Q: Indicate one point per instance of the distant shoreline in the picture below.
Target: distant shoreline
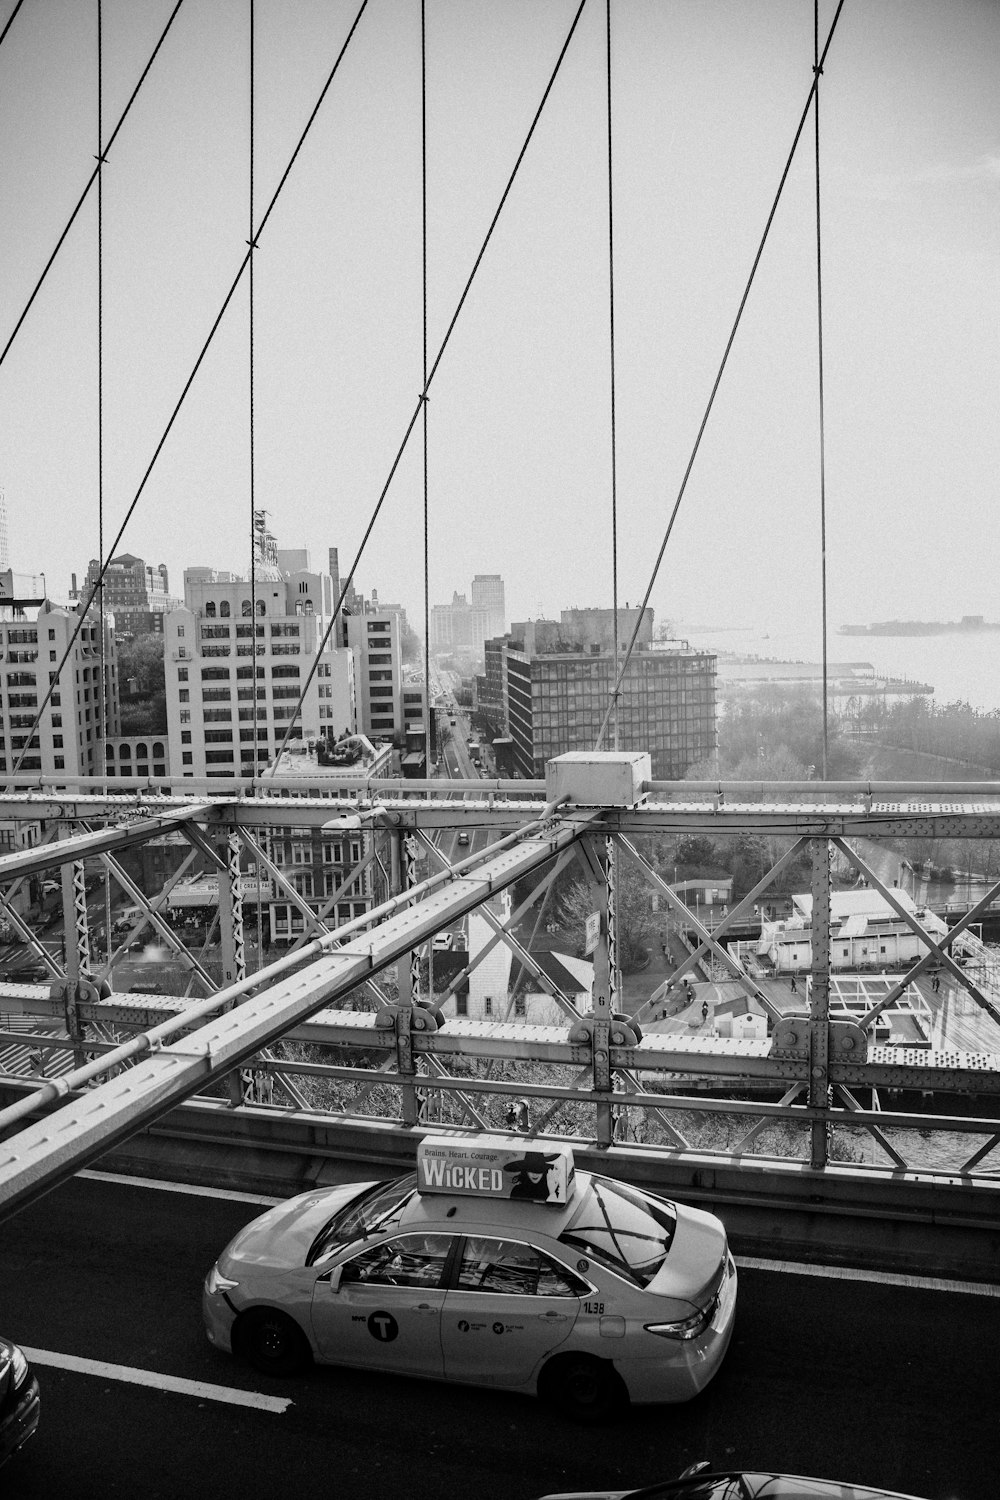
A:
(969, 625)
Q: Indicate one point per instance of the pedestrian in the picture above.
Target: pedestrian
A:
(794, 986)
(704, 1010)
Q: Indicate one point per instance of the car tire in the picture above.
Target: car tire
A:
(271, 1341)
(582, 1388)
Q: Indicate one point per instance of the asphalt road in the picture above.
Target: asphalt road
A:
(858, 1380)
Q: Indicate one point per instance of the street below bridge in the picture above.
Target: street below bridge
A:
(861, 1379)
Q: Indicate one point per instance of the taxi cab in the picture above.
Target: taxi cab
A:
(495, 1264)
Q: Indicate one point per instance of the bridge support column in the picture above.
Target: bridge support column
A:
(603, 1004)
(233, 950)
(75, 923)
(819, 998)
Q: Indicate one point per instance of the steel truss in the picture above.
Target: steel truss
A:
(816, 1077)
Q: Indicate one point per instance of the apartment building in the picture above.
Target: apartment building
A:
(83, 707)
(239, 655)
(375, 639)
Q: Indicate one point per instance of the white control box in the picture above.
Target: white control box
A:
(594, 778)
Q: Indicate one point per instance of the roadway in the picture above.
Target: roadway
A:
(843, 1378)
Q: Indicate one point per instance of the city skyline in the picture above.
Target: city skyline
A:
(705, 103)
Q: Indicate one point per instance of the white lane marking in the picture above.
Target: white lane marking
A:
(132, 1376)
(883, 1278)
(180, 1187)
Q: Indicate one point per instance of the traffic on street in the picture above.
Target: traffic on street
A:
(881, 1381)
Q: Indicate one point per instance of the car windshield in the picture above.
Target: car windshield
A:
(624, 1229)
(378, 1208)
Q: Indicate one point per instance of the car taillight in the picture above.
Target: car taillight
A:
(684, 1328)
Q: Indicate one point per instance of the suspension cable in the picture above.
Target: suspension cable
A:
(423, 397)
(616, 691)
(10, 21)
(423, 222)
(611, 344)
(191, 378)
(817, 70)
(105, 695)
(91, 179)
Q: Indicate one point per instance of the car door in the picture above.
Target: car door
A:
(510, 1306)
(382, 1306)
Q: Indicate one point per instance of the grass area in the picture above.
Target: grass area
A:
(887, 763)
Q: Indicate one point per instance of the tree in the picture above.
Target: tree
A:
(141, 659)
(634, 925)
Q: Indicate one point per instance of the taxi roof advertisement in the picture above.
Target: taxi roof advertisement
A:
(531, 1171)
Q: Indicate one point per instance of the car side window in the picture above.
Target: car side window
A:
(409, 1260)
(519, 1270)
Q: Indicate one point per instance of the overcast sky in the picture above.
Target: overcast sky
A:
(707, 95)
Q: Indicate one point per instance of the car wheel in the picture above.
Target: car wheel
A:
(271, 1341)
(587, 1390)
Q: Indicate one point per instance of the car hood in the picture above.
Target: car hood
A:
(695, 1263)
(282, 1236)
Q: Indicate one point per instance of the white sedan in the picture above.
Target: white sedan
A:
(496, 1264)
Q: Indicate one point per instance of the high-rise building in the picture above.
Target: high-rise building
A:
(549, 684)
(460, 628)
(488, 595)
(4, 534)
(237, 658)
(136, 593)
(374, 637)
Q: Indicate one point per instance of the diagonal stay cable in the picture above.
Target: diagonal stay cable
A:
(620, 677)
(105, 562)
(102, 158)
(10, 21)
(423, 397)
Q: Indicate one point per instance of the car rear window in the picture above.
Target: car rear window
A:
(378, 1208)
(624, 1229)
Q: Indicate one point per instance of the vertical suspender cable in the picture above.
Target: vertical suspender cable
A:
(423, 388)
(822, 425)
(611, 341)
(105, 695)
(253, 470)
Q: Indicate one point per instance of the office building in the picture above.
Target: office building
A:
(238, 657)
(488, 596)
(136, 593)
(548, 685)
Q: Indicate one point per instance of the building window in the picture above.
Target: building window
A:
(224, 610)
(184, 696)
(462, 1005)
(187, 758)
(487, 1005)
(210, 610)
(180, 632)
(182, 674)
(185, 736)
(57, 742)
(58, 762)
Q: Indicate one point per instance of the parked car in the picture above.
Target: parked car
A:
(698, 1483)
(496, 1264)
(20, 1402)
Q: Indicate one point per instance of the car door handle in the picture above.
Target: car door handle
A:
(552, 1317)
(425, 1307)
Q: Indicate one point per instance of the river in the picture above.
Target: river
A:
(960, 667)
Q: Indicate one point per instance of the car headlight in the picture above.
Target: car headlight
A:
(216, 1282)
(684, 1328)
(19, 1365)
